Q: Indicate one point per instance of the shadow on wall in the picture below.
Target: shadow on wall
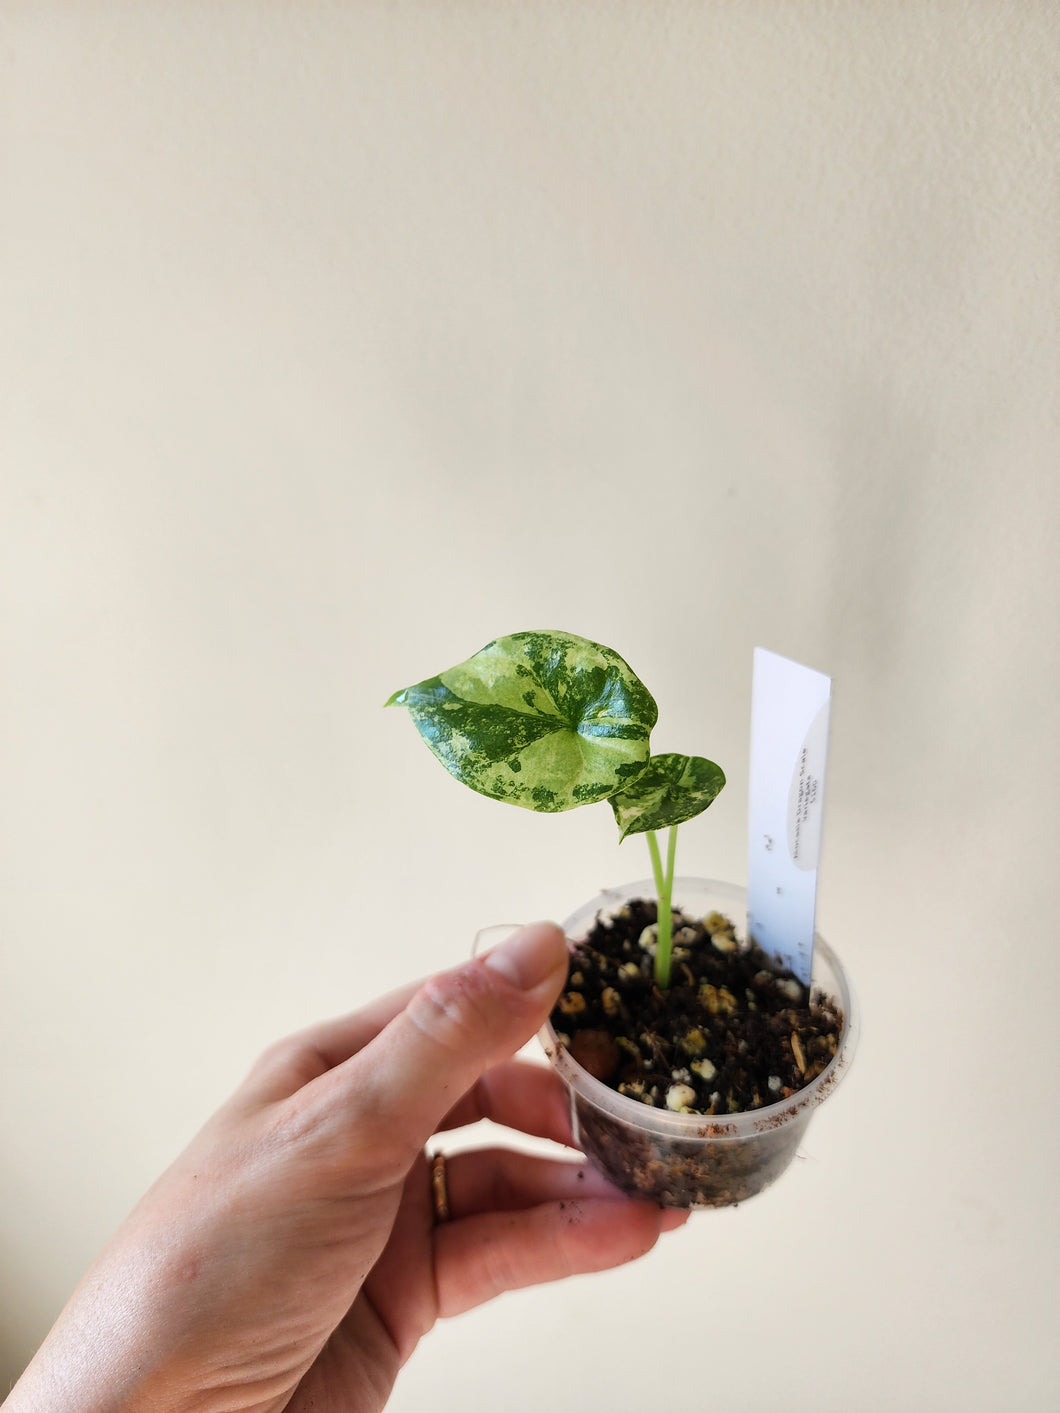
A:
(14, 1354)
(28, 1311)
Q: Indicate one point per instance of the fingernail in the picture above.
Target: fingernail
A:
(674, 1217)
(529, 955)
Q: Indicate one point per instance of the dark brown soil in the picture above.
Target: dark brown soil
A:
(731, 1033)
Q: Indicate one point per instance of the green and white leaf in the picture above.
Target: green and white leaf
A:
(547, 721)
(669, 790)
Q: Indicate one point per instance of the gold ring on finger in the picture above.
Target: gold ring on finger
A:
(439, 1189)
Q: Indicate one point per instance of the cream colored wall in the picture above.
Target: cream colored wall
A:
(338, 339)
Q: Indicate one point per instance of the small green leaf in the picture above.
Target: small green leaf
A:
(547, 721)
(669, 790)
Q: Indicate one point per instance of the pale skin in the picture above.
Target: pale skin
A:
(290, 1259)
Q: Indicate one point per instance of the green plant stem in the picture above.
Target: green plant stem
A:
(671, 855)
(664, 885)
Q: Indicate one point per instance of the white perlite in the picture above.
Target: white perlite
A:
(680, 1097)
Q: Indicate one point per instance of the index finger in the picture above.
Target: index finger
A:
(520, 1095)
(294, 1062)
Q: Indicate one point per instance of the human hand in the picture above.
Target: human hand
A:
(290, 1259)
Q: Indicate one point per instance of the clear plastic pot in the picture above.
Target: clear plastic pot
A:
(692, 1160)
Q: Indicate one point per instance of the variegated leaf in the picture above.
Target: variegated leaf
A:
(669, 790)
(543, 720)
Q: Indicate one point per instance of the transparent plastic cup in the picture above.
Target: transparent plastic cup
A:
(692, 1160)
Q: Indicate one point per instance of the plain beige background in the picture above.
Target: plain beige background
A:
(338, 338)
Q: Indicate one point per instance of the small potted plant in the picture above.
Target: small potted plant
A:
(693, 1063)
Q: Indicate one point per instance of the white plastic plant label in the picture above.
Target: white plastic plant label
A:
(789, 752)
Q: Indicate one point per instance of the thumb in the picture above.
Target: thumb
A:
(459, 1024)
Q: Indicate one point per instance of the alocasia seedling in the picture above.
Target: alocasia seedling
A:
(550, 721)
